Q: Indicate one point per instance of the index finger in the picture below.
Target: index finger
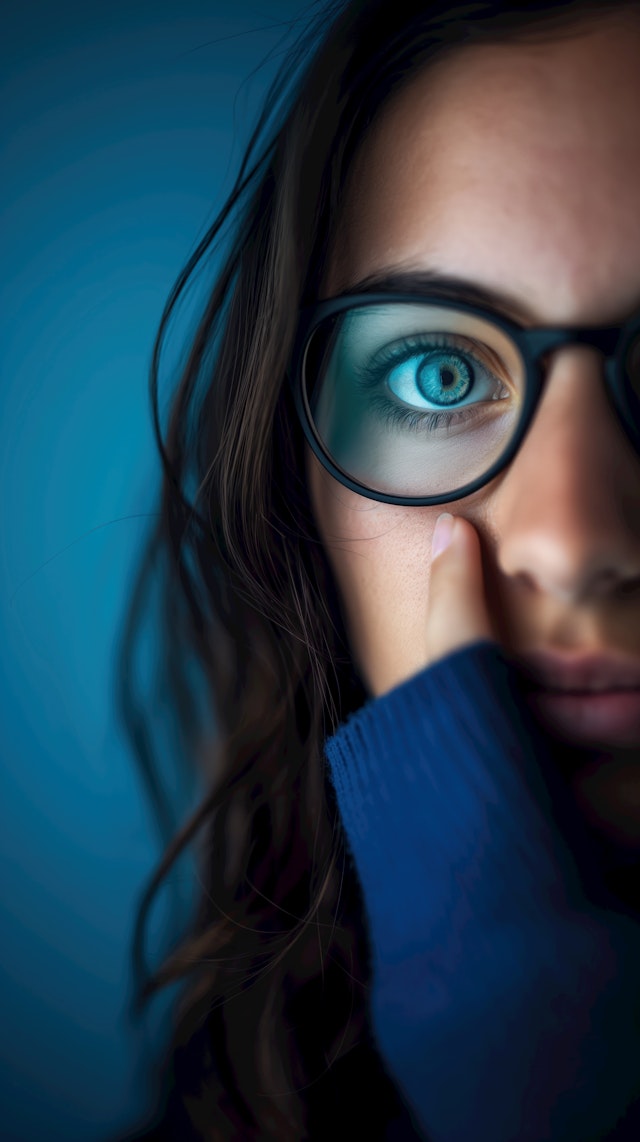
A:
(457, 609)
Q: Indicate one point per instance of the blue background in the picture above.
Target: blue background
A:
(124, 124)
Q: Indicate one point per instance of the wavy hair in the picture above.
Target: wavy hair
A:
(273, 967)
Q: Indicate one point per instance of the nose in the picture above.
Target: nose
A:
(567, 510)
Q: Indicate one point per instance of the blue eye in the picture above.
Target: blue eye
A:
(440, 377)
(431, 382)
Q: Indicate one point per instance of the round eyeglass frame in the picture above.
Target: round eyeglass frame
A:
(532, 342)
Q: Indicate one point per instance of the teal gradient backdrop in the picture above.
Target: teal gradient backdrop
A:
(123, 126)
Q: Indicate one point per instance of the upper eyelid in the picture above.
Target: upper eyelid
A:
(461, 340)
(366, 370)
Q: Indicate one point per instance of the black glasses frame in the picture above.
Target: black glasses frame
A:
(532, 342)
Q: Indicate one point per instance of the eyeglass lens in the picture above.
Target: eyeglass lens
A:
(413, 399)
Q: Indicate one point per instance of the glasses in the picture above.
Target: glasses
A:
(418, 400)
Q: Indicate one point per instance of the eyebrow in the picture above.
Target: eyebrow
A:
(432, 281)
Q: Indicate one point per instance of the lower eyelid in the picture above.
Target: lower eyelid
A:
(419, 417)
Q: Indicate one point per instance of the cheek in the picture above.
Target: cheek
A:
(383, 581)
(367, 541)
(380, 556)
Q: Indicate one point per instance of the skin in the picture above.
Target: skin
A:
(516, 166)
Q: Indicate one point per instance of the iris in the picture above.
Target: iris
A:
(442, 378)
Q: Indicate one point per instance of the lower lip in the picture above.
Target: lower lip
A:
(609, 718)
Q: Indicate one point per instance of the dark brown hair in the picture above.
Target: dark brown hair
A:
(273, 967)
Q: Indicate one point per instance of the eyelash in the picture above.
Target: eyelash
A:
(415, 421)
(372, 375)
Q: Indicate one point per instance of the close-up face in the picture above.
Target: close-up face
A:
(515, 167)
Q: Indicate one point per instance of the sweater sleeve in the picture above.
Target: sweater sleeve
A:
(505, 987)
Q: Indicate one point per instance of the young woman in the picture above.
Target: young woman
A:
(419, 838)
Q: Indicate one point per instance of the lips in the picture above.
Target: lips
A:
(589, 699)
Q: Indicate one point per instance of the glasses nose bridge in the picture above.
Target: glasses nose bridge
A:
(605, 339)
(542, 344)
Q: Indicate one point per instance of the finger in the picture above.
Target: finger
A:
(457, 609)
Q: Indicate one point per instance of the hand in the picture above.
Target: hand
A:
(390, 593)
(457, 610)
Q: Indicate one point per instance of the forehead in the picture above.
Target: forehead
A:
(516, 165)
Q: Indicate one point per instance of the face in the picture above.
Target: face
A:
(517, 167)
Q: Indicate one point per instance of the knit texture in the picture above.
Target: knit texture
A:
(506, 985)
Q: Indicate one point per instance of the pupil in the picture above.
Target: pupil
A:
(448, 377)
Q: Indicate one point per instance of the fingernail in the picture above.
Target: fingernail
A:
(442, 533)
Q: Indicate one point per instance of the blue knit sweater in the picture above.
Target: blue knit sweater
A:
(506, 973)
